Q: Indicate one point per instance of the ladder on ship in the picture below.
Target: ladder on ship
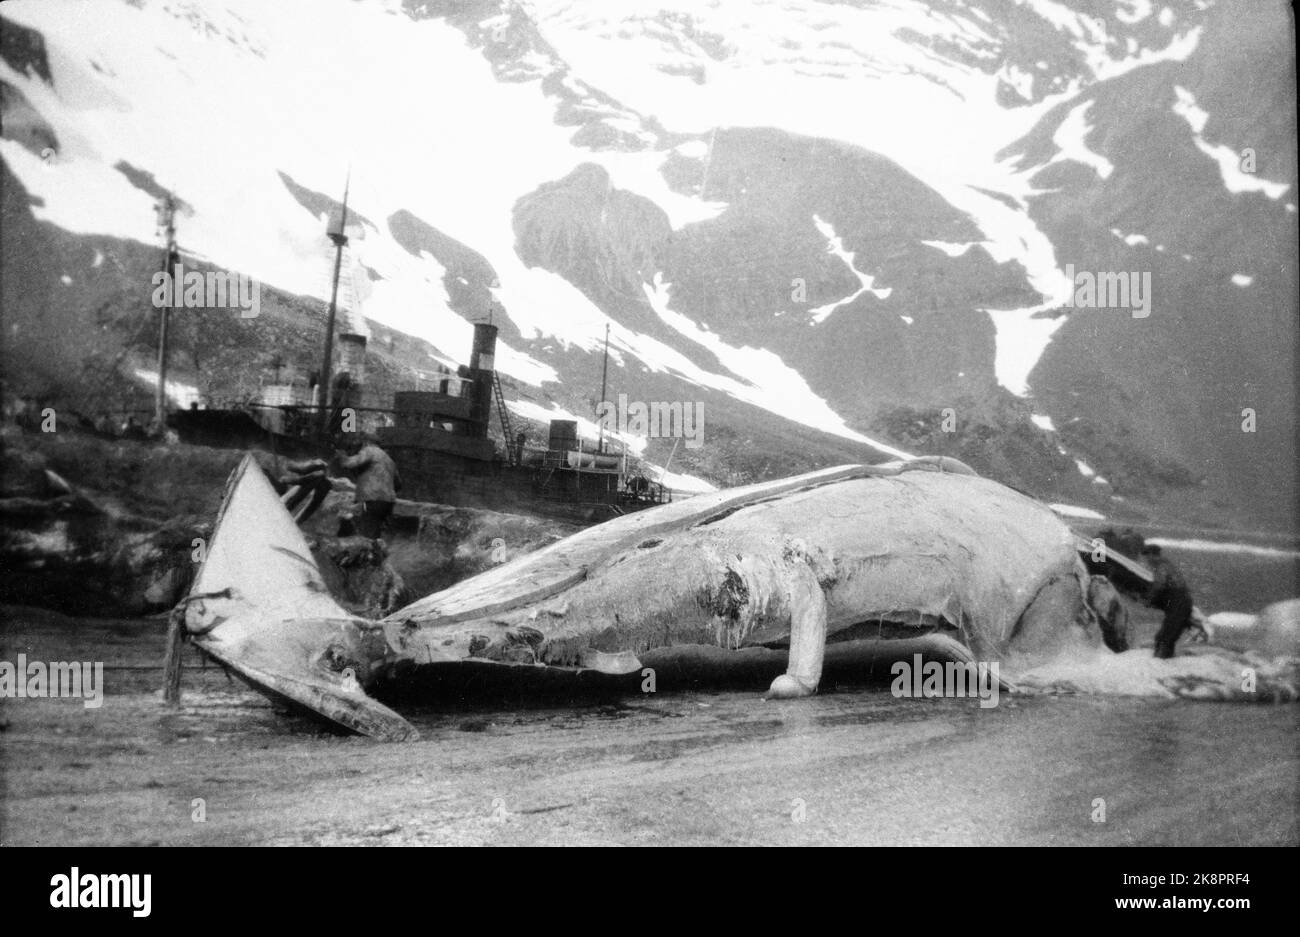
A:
(504, 415)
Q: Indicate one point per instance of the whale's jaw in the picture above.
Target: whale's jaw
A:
(316, 665)
(260, 607)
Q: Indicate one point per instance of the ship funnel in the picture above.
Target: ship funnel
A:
(482, 356)
(480, 375)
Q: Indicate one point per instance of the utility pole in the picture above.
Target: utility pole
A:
(171, 260)
(339, 239)
(604, 372)
(174, 657)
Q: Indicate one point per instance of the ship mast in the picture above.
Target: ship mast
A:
(340, 239)
(171, 258)
(604, 372)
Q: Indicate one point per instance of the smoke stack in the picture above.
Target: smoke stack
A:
(482, 356)
(482, 365)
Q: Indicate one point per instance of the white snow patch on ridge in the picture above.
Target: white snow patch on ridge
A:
(835, 245)
(950, 248)
(1071, 510)
(1132, 240)
(764, 379)
(1021, 339)
(1071, 140)
(1235, 180)
(1133, 11)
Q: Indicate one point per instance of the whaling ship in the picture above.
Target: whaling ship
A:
(438, 438)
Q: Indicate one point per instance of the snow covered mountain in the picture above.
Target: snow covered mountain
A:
(846, 228)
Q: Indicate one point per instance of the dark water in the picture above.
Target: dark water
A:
(1237, 582)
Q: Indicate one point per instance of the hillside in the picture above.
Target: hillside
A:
(843, 229)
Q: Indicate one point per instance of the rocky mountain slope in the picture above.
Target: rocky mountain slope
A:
(842, 228)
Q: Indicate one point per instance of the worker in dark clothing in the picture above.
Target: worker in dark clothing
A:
(377, 483)
(1168, 592)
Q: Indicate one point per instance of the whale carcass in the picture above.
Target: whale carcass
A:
(917, 557)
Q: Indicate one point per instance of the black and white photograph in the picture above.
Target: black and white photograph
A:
(723, 423)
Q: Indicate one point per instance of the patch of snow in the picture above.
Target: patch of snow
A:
(1235, 180)
(1186, 107)
(1071, 510)
(1133, 11)
(1132, 240)
(1240, 279)
(1043, 422)
(949, 248)
(693, 149)
(1071, 140)
(641, 173)
(679, 481)
(1021, 339)
(835, 245)
(1215, 546)
(762, 378)
(1022, 81)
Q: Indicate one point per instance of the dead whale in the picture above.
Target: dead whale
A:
(902, 558)
(917, 557)
(958, 566)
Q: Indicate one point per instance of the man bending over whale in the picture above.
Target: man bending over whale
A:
(1168, 592)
